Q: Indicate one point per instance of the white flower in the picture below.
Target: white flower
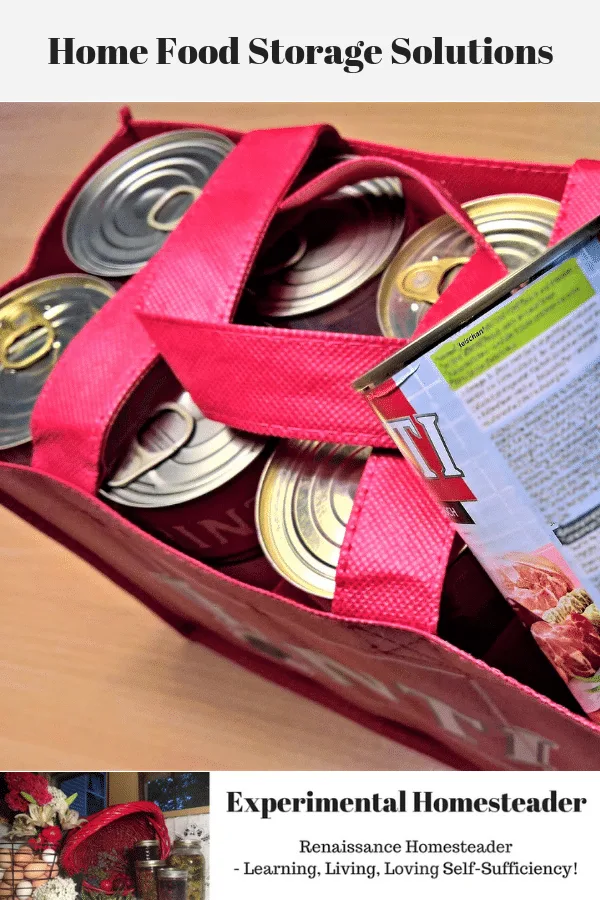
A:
(42, 816)
(56, 889)
(70, 819)
(22, 826)
(59, 800)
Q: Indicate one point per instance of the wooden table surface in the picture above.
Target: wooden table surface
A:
(88, 677)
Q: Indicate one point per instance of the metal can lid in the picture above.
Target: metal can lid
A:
(187, 846)
(124, 213)
(37, 321)
(179, 455)
(174, 874)
(518, 227)
(303, 505)
(150, 863)
(336, 245)
(148, 843)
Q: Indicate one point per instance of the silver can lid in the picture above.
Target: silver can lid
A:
(338, 244)
(124, 213)
(37, 321)
(179, 455)
(173, 874)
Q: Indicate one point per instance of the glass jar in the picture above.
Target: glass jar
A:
(145, 878)
(172, 884)
(186, 853)
(145, 850)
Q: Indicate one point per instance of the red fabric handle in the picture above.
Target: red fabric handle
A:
(396, 549)
(268, 380)
(101, 367)
(581, 198)
(263, 380)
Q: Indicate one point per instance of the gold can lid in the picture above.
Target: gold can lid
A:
(334, 246)
(303, 505)
(150, 863)
(518, 227)
(179, 455)
(37, 321)
(148, 843)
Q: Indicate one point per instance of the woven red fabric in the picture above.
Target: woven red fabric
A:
(116, 828)
(395, 551)
(281, 382)
(75, 410)
(300, 386)
(266, 380)
(581, 198)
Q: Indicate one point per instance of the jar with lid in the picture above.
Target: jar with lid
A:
(172, 884)
(145, 850)
(186, 854)
(145, 878)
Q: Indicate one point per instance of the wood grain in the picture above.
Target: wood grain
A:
(89, 678)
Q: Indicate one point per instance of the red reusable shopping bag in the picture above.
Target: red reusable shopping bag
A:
(376, 656)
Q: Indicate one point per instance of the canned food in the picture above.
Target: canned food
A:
(497, 407)
(37, 321)
(172, 884)
(186, 854)
(145, 878)
(193, 481)
(315, 270)
(124, 213)
(303, 505)
(144, 850)
(518, 227)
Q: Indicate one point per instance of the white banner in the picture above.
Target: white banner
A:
(389, 834)
(144, 51)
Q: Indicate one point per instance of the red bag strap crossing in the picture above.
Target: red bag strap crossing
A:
(260, 379)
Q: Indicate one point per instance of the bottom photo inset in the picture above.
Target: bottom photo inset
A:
(104, 835)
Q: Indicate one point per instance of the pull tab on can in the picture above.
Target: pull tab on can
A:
(140, 459)
(162, 201)
(423, 281)
(18, 321)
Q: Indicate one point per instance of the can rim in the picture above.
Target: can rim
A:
(169, 872)
(68, 279)
(269, 546)
(32, 291)
(274, 309)
(323, 584)
(515, 205)
(474, 308)
(109, 170)
(250, 447)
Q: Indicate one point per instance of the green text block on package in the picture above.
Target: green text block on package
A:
(514, 325)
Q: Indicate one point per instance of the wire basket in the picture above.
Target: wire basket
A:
(24, 869)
